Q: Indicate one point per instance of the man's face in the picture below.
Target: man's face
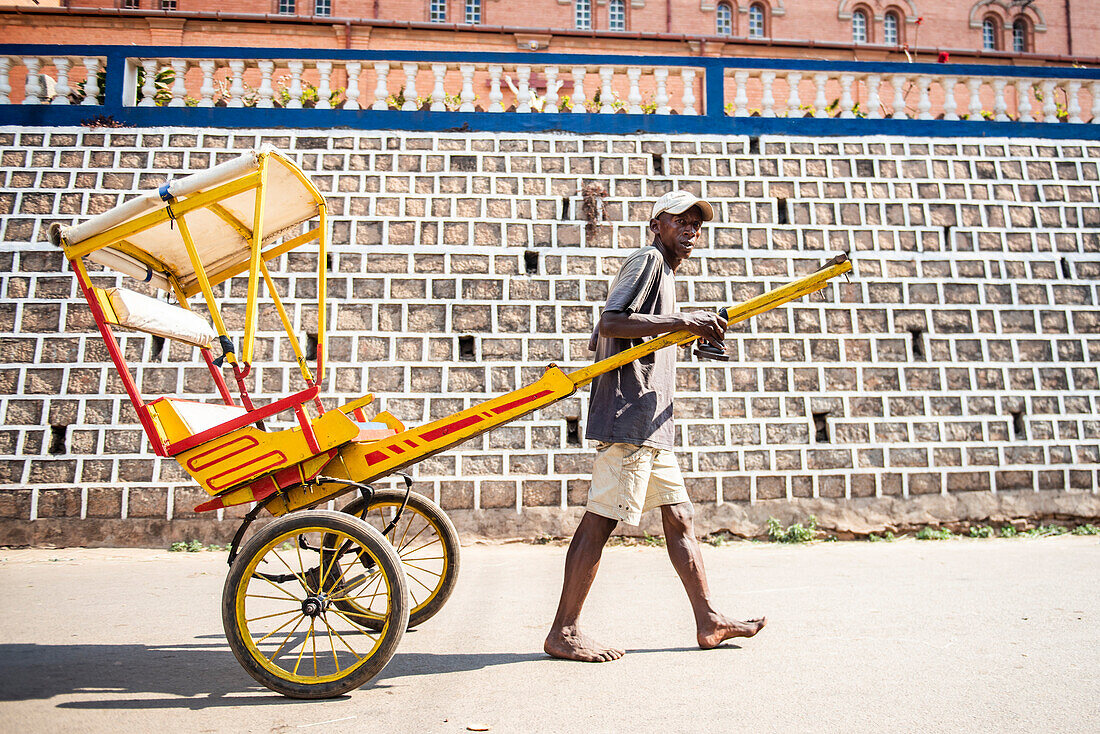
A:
(679, 233)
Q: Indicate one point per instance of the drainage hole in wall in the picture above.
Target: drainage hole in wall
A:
(917, 335)
(329, 260)
(531, 262)
(821, 428)
(466, 348)
(754, 145)
(1019, 430)
(1066, 271)
(156, 348)
(782, 215)
(658, 164)
(572, 431)
(311, 347)
(565, 204)
(58, 439)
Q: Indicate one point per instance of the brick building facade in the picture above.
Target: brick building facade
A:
(1000, 30)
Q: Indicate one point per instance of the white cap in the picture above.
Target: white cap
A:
(678, 202)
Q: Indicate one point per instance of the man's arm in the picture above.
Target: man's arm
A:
(708, 325)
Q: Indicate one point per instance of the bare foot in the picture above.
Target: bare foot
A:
(720, 629)
(569, 644)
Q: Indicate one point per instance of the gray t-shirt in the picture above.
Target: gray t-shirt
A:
(633, 404)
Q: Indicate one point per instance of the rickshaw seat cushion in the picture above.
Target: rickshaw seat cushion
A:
(179, 419)
(136, 311)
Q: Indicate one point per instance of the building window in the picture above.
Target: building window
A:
(756, 21)
(1019, 36)
(437, 11)
(286, 7)
(616, 15)
(890, 27)
(989, 34)
(167, 4)
(724, 20)
(582, 15)
(131, 4)
(322, 7)
(473, 12)
(859, 26)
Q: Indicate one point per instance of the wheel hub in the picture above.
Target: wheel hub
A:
(314, 605)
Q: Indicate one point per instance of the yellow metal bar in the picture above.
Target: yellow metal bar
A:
(322, 270)
(294, 344)
(204, 284)
(153, 218)
(358, 403)
(252, 307)
(226, 216)
(223, 275)
(734, 314)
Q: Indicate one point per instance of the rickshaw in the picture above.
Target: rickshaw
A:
(316, 600)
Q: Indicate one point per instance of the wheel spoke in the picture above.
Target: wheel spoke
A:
(302, 566)
(280, 588)
(405, 554)
(289, 635)
(414, 578)
(276, 614)
(425, 570)
(296, 575)
(340, 637)
(418, 532)
(274, 631)
(363, 629)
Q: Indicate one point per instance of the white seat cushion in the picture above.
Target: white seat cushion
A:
(153, 316)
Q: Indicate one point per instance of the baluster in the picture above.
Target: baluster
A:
(91, 82)
(381, 91)
(974, 110)
(794, 102)
(351, 97)
(898, 83)
(740, 96)
(409, 92)
(1073, 101)
(950, 104)
(5, 80)
(820, 102)
(294, 101)
(266, 93)
(467, 88)
(439, 71)
(846, 101)
(206, 91)
(62, 88)
(1094, 89)
(924, 106)
(149, 87)
(1000, 108)
(236, 85)
(661, 75)
(767, 99)
(33, 86)
(578, 89)
(523, 95)
(495, 95)
(550, 101)
(688, 77)
(1023, 103)
(634, 97)
(1050, 109)
(606, 94)
(179, 83)
(874, 102)
(324, 86)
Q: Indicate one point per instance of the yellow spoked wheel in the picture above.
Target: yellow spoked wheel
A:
(425, 540)
(283, 604)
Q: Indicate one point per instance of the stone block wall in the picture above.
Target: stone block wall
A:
(959, 362)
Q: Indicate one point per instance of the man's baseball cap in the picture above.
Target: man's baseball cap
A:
(679, 201)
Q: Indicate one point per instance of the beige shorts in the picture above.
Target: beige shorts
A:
(627, 480)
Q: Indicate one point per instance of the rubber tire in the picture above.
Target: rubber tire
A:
(398, 596)
(445, 529)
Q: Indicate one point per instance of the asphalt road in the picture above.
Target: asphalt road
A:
(961, 635)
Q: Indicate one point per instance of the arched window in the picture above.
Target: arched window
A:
(890, 26)
(582, 14)
(723, 20)
(859, 26)
(616, 15)
(1019, 36)
(322, 7)
(473, 12)
(756, 20)
(989, 34)
(437, 11)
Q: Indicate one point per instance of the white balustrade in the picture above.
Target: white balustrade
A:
(324, 87)
(688, 78)
(282, 83)
(61, 88)
(179, 83)
(381, 91)
(351, 96)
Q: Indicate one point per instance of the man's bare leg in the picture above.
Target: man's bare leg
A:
(711, 627)
(581, 563)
